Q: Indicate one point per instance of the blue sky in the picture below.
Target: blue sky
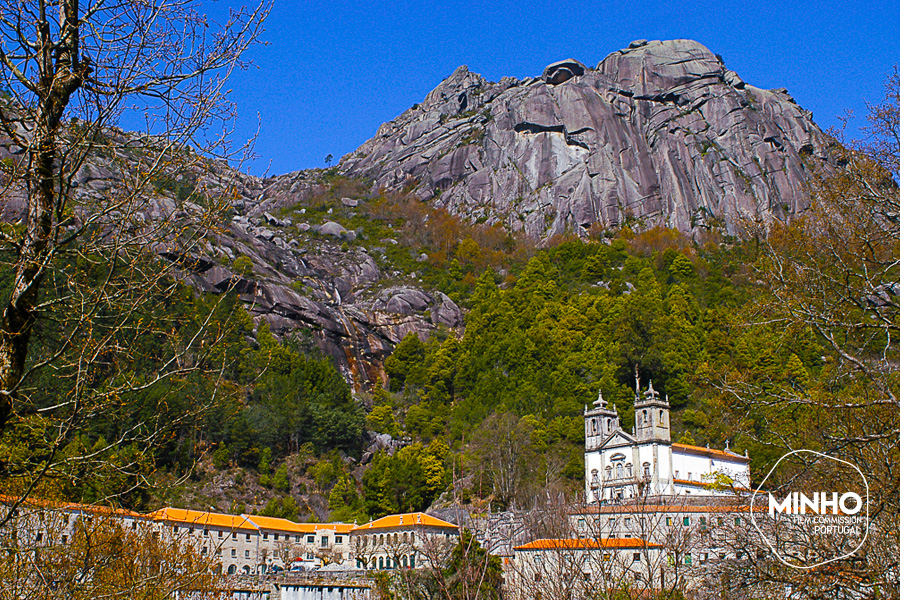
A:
(332, 72)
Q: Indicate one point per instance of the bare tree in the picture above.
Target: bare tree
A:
(51, 553)
(86, 209)
(833, 274)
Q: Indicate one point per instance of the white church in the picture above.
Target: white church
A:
(645, 463)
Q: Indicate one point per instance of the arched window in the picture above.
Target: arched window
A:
(628, 470)
(380, 562)
(405, 539)
(404, 562)
(646, 469)
(646, 419)
(619, 472)
(232, 569)
(662, 417)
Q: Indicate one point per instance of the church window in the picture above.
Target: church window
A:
(662, 417)
(628, 470)
(619, 472)
(609, 472)
(646, 469)
(646, 420)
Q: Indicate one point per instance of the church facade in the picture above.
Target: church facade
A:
(645, 463)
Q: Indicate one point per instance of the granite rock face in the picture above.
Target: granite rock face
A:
(298, 279)
(660, 133)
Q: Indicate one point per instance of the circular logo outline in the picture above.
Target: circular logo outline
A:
(766, 539)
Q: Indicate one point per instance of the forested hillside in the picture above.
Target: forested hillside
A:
(494, 409)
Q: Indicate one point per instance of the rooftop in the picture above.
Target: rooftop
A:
(710, 452)
(406, 520)
(276, 524)
(205, 519)
(586, 544)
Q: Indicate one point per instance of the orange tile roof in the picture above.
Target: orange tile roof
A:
(276, 524)
(710, 452)
(95, 509)
(406, 520)
(586, 544)
(205, 519)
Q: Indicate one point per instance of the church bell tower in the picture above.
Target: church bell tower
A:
(651, 417)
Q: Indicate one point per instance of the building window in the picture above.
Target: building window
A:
(39, 536)
(687, 521)
(338, 539)
(265, 536)
(703, 523)
(203, 551)
(668, 521)
(704, 557)
(676, 474)
(218, 552)
(310, 539)
(175, 529)
(233, 553)
(324, 541)
(737, 520)
(537, 577)
(65, 539)
(587, 576)
(687, 559)
(234, 535)
(221, 533)
(627, 522)
(246, 554)
(690, 476)
(206, 533)
(297, 538)
(720, 521)
(276, 537)
(309, 556)
(412, 537)
(636, 557)
(380, 562)
(581, 524)
(628, 470)
(248, 537)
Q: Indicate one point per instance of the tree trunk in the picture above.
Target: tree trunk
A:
(61, 74)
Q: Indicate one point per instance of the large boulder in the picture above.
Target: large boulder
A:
(562, 71)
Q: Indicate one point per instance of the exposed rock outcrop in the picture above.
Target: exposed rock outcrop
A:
(661, 133)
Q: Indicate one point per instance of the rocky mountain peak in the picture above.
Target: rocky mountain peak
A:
(659, 133)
